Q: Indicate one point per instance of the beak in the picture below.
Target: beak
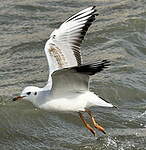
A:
(18, 98)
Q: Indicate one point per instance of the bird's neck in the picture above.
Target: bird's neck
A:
(42, 97)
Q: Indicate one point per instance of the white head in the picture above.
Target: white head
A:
(29, 93)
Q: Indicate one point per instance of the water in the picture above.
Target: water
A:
(118, 34)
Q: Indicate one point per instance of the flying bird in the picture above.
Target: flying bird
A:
(67, 89)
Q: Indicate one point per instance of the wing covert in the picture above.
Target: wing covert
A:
(63, 47)
(75, 79)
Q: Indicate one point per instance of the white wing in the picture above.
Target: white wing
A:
(75, 79)
(68, 81)
(63, 47)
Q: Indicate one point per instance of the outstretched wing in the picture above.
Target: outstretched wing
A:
(63, 47)
(75, 79)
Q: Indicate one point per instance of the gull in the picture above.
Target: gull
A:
(67, 89)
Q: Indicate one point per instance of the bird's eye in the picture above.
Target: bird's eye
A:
(35, 93)
(28, 93)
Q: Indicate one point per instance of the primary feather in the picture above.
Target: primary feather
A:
(63, 47)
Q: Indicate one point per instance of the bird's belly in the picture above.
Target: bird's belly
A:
(74, 102)
(65, 104)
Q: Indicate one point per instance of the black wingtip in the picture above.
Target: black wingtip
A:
(93, 68)
(96, 14)
(93, 7)
(106, 62)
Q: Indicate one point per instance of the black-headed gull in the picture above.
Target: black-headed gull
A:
(67, 88)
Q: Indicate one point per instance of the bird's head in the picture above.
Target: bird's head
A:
(29, 93)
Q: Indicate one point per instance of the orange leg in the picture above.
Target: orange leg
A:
(94, 122)
(86, 124)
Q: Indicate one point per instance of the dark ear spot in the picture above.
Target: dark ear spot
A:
(35, 93)
(54, 36)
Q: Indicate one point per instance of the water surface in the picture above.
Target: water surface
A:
(118, 34)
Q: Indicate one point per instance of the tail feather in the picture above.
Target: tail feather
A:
(108, 102)
(95, 100)
(101, 102)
